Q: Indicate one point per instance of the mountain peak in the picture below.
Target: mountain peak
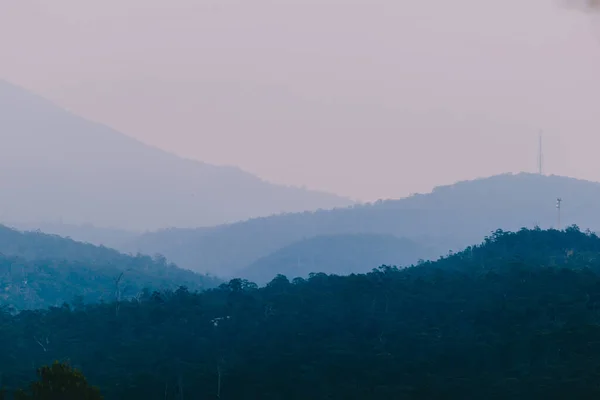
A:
(57, 165)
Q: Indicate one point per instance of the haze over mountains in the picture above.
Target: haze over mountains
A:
(336, 254)
(215, 283)
(371, 99)
(449, 218)
(89, 177)
(56, 166)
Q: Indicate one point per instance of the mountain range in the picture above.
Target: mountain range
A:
(56, 166)
(65, 175)
(447, 219)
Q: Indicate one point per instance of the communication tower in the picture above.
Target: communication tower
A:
(540, 156)
(558, 201)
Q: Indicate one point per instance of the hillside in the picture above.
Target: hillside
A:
(449, 218)
(86, 233)
(497, 328)
(335, 254)
(39, 270)
(55, 166)
(33, 245)
(569, 248)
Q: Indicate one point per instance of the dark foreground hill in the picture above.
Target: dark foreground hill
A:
(336, 254)
(449, 218)
(514, 318)
(39, 270)
(55, 165)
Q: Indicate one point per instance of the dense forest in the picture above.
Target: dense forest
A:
(451, 217)
(39, 270)
(517, 317)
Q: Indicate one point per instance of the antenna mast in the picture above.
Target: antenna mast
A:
(540, 156)
(558, 201)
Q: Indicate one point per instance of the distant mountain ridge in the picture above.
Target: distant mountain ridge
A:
(449, 218)
(336, 254)
(55, 165)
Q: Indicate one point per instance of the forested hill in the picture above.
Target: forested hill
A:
(449, 218)
(38, 270)
(519, 321)
(549, 248)
(86, 233)
(35, 244)
(55, 164)
(336, 254)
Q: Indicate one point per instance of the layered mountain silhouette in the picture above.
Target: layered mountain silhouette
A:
(449, 218)
(336, 254)
(55, 166)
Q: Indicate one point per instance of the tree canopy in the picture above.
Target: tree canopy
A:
(516, 317)
(59, 381)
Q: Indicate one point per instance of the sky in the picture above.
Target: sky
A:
(368, 99)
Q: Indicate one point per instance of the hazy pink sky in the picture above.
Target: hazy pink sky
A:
(370, 98)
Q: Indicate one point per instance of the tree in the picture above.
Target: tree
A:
(60, 382)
